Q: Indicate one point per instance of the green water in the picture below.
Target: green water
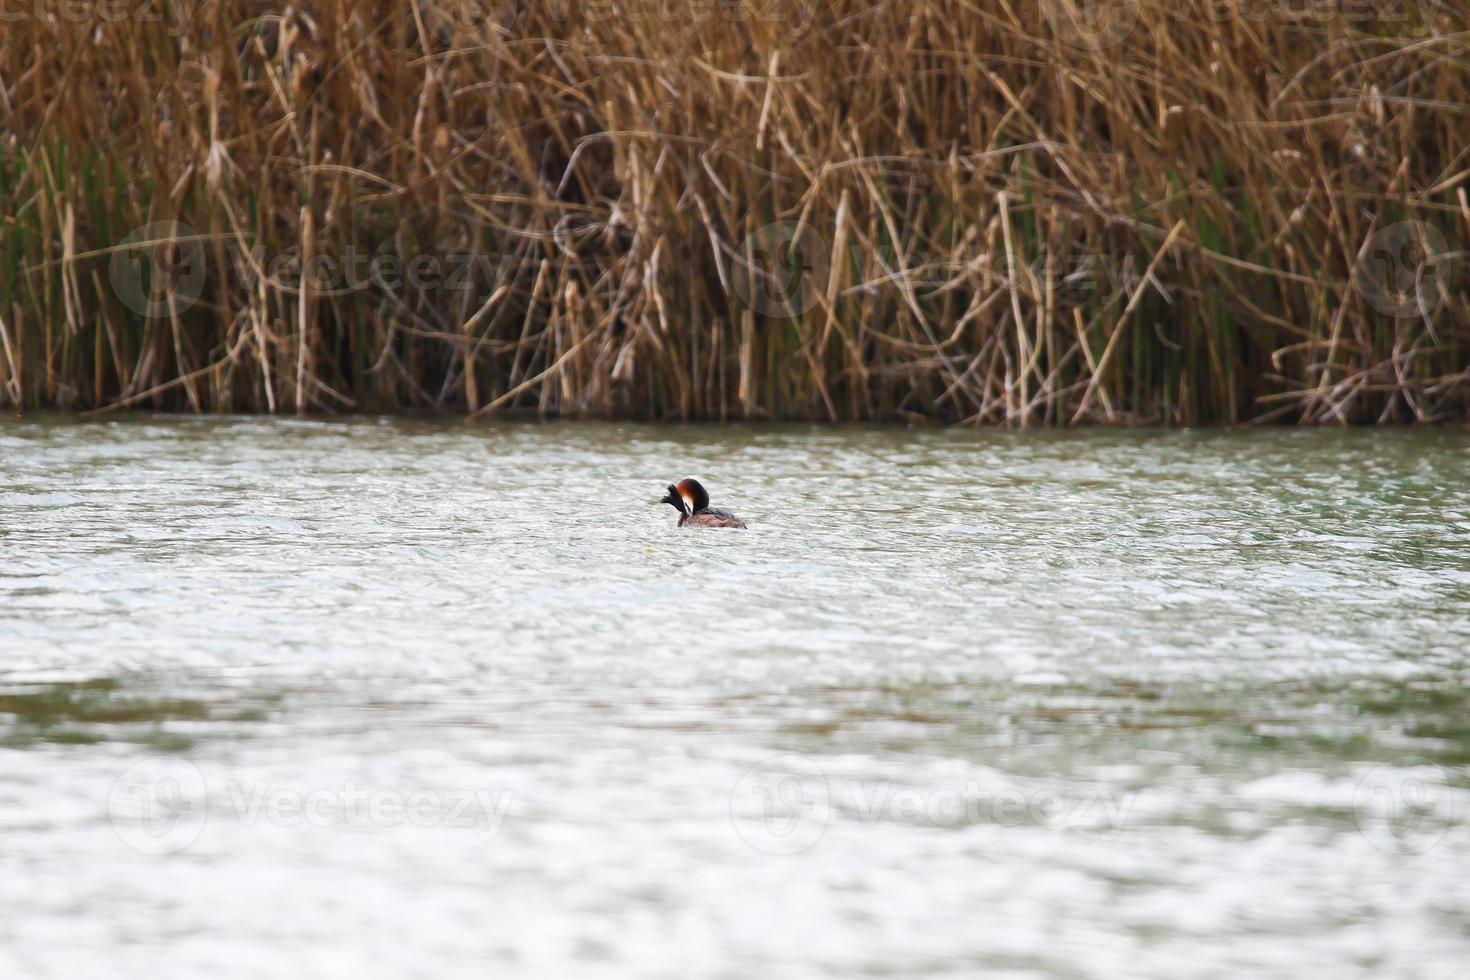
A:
(1082, 704)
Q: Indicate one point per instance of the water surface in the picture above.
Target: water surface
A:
(387, 698)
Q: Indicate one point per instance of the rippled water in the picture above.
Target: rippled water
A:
(415, 699)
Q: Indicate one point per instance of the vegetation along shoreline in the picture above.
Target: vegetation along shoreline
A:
(1181, 213)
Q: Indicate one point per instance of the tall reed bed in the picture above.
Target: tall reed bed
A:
(1187, 211)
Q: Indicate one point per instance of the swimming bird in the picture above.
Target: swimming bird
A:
(692, 502)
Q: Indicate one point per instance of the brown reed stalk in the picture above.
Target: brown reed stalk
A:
(1005, 214)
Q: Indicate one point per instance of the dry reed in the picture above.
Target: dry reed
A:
(1197, 212)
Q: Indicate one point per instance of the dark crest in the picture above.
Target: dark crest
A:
(673, 498)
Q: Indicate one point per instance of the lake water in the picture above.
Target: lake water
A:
(395, 698)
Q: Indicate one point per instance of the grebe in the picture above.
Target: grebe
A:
(692, 503)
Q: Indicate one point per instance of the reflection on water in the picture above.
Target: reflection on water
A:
(1052, 704)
